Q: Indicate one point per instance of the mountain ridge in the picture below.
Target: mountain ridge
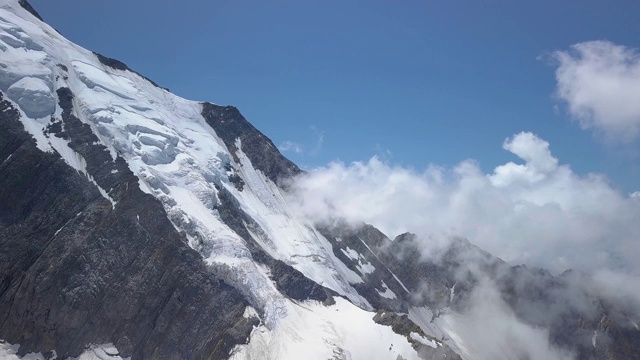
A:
(161, 226)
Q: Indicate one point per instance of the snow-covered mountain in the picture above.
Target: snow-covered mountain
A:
(135, 223)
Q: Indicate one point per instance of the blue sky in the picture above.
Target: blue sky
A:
(415, 82)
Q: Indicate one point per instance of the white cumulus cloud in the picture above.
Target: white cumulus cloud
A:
(538, 212)
(600, 83)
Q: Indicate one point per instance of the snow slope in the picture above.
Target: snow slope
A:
(313, 331)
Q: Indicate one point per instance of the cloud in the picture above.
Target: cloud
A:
(290, 146)
(620, 289)
(489, 330)
(537, 212)
(600, 83)
(533, 150)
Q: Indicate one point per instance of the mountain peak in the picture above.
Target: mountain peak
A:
(25, 4)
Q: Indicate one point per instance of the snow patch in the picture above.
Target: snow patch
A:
(65, 224)
(249, 312)
(422, 340)
(387, 293)
(452, 292)
(93, 352)
(399, 282)
(7, 159)
(365, 267)
(350, 253)
(101, 352)
(9, 352)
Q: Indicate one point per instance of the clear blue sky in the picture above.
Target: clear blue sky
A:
(430, 81)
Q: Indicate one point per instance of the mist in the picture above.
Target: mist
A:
(536, 212)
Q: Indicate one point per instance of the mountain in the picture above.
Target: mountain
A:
(138, 224)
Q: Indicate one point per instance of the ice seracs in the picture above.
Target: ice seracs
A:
(34, 96)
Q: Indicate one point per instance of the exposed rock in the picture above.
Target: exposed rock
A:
(25, 4)
(231, 126)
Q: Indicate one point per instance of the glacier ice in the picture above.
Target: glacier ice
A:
(33, 95)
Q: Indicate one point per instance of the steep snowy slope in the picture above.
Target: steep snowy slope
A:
(218, 192)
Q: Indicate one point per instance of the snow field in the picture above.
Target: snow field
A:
(314, 331)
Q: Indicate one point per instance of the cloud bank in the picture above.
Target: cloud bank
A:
(537, 212)
(600, 83)
(489, 330)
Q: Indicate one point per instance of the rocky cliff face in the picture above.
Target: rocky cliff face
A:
(237, 132)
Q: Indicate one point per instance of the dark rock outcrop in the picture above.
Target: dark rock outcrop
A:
(25, 4)
(119, 65)
(230, 126)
